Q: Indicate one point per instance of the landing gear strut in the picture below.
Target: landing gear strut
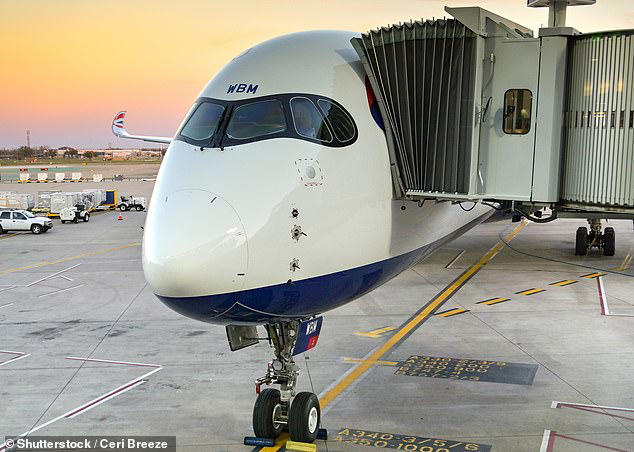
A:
(277, 410)
(595, 238)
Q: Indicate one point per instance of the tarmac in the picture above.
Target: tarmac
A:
(503, 340)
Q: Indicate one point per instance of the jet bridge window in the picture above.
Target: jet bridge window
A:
(256, 119)
(518, 105)
(203, 122)
(308, 121)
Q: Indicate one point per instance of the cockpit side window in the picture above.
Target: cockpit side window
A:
(340, 121)
(308, 121)
(256, 119)
(203, 122)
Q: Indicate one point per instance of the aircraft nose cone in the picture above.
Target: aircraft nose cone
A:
(194, 244)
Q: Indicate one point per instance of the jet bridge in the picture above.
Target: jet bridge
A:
(476, 108)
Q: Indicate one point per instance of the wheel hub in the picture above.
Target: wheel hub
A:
(313, 418)
(277, 416)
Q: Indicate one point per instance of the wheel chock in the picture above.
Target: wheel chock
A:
(301, 447)
(322, 434)
(255, 441)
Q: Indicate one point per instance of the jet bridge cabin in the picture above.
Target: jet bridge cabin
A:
(476, 108)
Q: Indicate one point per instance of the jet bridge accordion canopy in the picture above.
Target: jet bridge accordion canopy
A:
(599, 154)
(423, 75)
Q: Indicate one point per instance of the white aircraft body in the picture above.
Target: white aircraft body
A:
(274, 203)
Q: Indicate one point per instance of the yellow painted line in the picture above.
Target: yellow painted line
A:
(625, 264)
(66, 259)
(279, 443)
(493, 301)
(378, 363)
(593, 275)
(6, 236)
(364, 366)
(451, 312)
(376, 333)
(530, 291)
(565, 282)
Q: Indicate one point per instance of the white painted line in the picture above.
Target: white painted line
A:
(60, 290)
(95, 402)
(8, 288)
(605, 310)
(545, 440)
(453, 261)
(603, 300)
(557, 404)
(5, 305)
(110, 395)
(53, 275)
(65, 277)
(127, 363)
(21, 355)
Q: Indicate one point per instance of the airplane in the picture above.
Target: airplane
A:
(274, 204)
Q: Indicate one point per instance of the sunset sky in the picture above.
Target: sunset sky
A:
(67, 66)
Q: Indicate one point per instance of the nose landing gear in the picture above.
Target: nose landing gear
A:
(585, 241)
(274, 410)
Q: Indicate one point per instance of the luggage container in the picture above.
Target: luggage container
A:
(62, 200)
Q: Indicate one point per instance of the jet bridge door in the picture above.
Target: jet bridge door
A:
(507, 121)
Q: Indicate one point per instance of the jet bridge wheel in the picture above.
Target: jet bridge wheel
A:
(266, 414)
(581, 242)
(304, 417)
(609, 242)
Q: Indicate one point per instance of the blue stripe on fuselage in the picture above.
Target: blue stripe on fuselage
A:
(302, 298)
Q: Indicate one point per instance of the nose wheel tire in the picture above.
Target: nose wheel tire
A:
(609, 241)
(304, 417)
(581, 242)
(266, 412)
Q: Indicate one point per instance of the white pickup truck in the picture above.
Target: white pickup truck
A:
(23, 220)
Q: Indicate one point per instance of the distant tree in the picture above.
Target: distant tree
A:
(89, 154)
(24, 152)
(70, 153)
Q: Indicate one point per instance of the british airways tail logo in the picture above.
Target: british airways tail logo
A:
(242, 88)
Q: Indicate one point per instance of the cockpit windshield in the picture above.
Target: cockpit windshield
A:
(307, 117)
(256, 119)
(203, 122)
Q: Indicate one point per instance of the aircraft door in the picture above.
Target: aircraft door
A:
(507, 127)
